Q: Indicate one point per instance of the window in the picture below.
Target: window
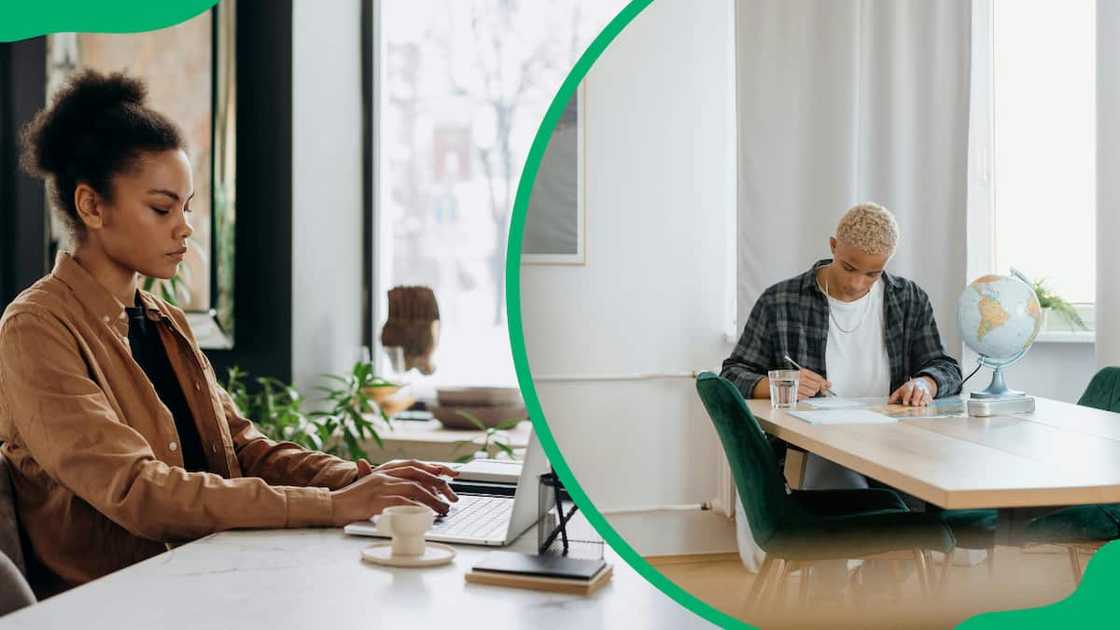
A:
(1044, 143)
(462, 87)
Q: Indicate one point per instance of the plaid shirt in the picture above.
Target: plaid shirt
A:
(791, 318)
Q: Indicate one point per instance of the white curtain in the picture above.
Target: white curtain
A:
(842, 101)
(1108, 186)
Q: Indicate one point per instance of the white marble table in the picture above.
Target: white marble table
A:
(314, 578)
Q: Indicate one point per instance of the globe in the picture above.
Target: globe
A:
(999, 318)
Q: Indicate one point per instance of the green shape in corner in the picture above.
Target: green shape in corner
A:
(23, 18)
(1092, 605)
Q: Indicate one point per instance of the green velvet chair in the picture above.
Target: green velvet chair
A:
(1083, 528)
(798, 527)
(1103, 391)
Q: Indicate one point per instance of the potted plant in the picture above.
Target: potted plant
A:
(275, 407)
(1051, 302)
(387, 394)
(494, 438)
(351, 400)
(277, 410)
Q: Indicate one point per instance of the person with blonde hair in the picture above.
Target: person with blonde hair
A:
(854, 329)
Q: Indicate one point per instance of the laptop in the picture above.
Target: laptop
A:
(484, 519)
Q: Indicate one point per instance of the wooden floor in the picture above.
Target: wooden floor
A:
(1022, 579)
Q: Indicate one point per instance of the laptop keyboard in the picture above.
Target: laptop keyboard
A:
(476, 517)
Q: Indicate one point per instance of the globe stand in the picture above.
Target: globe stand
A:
(997, 389)
(998, 399)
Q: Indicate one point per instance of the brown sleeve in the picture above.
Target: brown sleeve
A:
(68, 425)
(282, 462)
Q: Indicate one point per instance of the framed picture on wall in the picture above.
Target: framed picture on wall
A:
(555, 224)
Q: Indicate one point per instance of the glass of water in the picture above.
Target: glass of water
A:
(783, 388)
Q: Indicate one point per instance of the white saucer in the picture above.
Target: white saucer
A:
(434, 554)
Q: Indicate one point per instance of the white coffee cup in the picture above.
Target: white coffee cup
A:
(406, 524)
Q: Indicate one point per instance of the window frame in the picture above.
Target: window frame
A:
(981, 223)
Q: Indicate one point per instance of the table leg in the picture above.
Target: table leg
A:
(796, 459)
(1012, 522)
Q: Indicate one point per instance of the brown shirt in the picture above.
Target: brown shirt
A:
(95, 456)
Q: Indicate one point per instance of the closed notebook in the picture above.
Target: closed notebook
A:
(542, 566)
(548, 573)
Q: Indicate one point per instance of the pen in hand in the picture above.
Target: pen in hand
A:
(826, 391)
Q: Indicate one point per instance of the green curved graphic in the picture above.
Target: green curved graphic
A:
(1092, 605)
(30, 18)
(517, 337)
(1088, 606)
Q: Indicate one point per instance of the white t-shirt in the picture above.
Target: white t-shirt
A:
(856, 354)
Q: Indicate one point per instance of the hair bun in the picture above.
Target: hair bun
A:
(65, 127)
(94, 91)
(95, 128)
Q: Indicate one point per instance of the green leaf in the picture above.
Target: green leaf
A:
(381, 383)
(506, 425)
(473, 419)
(315, 441)
(504, 447)
(359, 420)
(356, 451)
(1048, 299)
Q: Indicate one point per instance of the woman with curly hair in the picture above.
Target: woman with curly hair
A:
(120, 438)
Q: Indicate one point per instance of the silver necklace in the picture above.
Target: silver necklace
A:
(832, 316)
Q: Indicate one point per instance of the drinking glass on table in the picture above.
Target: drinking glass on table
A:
(783, 388)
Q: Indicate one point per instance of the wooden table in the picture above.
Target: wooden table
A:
(428, 440)
(1062, 454)
(314, 578)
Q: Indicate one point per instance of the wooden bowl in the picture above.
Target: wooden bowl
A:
(488, 415)
(479, 397)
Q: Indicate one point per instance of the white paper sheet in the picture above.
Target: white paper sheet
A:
(835, 403)
(842, 416)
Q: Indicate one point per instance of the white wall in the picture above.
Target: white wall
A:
(326, 188)
(660, 151)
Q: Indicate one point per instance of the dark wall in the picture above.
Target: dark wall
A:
(23, 223)
(367, 172)
(262, 310)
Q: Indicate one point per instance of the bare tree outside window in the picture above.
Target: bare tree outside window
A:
(464, 86)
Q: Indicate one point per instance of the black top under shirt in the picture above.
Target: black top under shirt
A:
(148, 350)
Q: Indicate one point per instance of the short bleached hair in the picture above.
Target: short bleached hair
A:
(870, 227)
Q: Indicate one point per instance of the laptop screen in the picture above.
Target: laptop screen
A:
(528, 488)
